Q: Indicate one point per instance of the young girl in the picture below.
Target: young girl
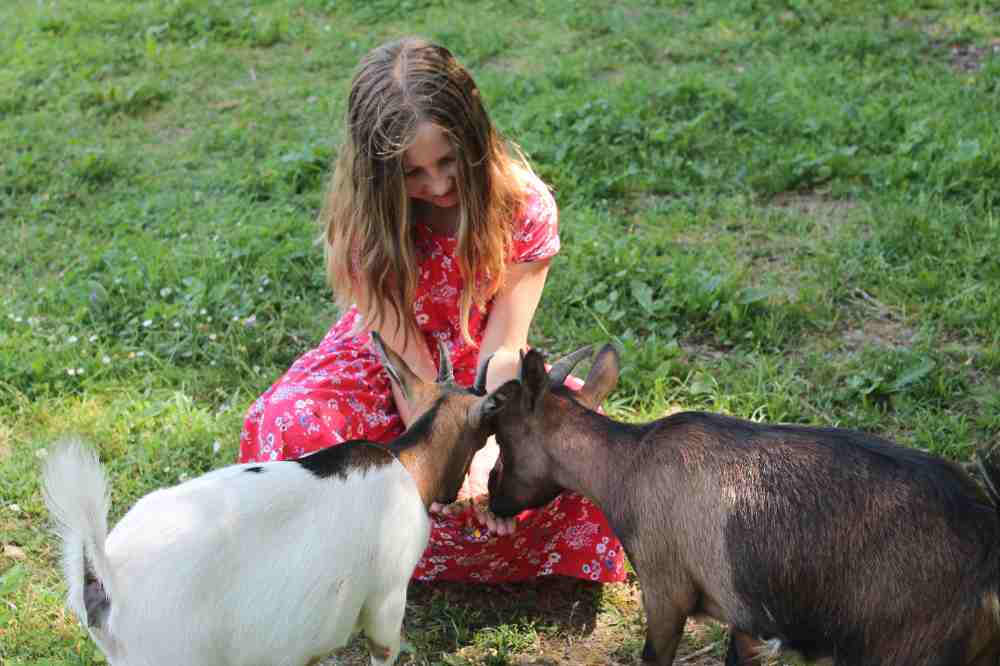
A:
(434, 231)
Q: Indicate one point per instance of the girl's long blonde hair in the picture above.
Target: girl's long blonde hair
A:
(366, 218)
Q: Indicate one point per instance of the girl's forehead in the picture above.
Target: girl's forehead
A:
(430, 144)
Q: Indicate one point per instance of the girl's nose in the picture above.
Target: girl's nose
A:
(440, 184)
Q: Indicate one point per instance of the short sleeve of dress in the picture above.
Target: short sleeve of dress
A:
(536, 230)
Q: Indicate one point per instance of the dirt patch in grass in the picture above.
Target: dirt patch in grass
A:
(966, 58)
(885, 333)
(6, 447)
(513, 64)
(825, 209)
(878, 326)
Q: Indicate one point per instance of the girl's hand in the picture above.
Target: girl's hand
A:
(480, 509)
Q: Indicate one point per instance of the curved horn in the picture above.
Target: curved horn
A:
(446, 375)
(479, 386)
(560, 369)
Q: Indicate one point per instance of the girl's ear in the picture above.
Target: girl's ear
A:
(602, 378)
(533, 377)
(399, 371)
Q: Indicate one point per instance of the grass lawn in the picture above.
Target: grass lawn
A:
(786, 211)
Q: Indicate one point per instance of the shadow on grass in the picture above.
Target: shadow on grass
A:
(541, 622)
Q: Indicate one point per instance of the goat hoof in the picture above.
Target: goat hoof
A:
(380, 652)
(648, 651)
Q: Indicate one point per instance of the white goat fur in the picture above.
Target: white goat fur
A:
(241, 568)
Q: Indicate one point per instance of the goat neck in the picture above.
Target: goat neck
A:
(437, 448)
(588, 450)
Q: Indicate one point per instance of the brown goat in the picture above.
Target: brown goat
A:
(834, 542)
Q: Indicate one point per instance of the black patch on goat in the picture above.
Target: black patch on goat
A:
(342, 459)
(95, 598)
(828, 565)
(255, 470)
(423, 428)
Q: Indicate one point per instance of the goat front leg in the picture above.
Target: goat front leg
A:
(382, 623)
(664, 627)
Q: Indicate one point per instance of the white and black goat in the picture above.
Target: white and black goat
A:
(834, 542)
(267, 564)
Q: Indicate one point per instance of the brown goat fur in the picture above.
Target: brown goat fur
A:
(835, 542)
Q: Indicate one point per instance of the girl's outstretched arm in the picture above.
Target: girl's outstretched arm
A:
(412, 350)
(505, 336)
(514, 308)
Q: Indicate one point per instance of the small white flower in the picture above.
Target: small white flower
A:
(177, 324)
(212, 337)
(92, 338)
(71, 371)
(106, 359)
(15, 508)
(147, 323)
(79, 371)
(142, 353)
(72, 339)
(203, 311)
(166, 291)
(216, 445)
(18, 320)
(236, 317)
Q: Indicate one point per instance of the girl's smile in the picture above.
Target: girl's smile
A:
(430, 166)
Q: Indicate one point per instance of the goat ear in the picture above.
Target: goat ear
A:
(602, 378)
(533, 377)
(492, 404)
(399, 371)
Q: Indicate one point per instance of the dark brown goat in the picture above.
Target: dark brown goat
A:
(834, 542)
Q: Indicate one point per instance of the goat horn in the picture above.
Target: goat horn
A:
(479, 386)
(446, 375)
(560, 369)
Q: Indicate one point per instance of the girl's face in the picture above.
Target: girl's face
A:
(430, 167)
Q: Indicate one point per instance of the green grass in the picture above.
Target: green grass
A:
(780, 210)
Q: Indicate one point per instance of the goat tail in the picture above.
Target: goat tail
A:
(76, 493)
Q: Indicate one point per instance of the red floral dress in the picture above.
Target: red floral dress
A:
(339, 392)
